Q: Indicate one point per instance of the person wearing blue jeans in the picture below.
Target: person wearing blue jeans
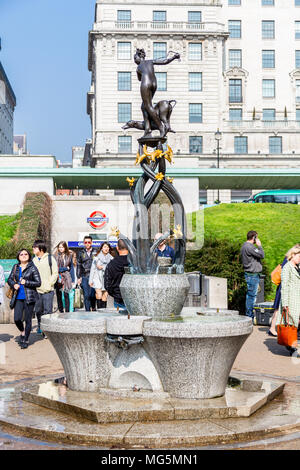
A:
(88, 294)
(251, 254)
(252, 281)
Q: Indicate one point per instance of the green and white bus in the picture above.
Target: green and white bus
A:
(281, 196)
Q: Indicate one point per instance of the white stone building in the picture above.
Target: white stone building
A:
(7, 106)
(239, 73)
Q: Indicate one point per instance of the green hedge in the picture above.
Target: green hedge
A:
(34, 223)
(221, 258)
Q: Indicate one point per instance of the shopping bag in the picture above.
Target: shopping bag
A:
(78, 297)
(286, 333)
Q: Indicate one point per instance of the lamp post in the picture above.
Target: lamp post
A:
(218, 136)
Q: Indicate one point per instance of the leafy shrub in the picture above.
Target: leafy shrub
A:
(221, 258)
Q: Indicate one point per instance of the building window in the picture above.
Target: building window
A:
(124, 81)
(159, 50)
(297, 114)
(124, 50)
(297, 29)
(268, 59)
(195, 81)
(269, 114)
(241, 145)
(159, 16)
(196, 144)
(234, 2)
(268, 29)
(235, 90)
(124, 112)
(124, 16)
(267, 2)
(194, 17)
(124, 144)
(235, 57)
(195, 112)
(275, 144)
(195, 51)
(297, 59)
(297, 91)
(235, 114)
(297, 3)
(161, 78)
(268, 88)
(235, 29)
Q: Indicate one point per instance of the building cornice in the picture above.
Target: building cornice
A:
(161, 3)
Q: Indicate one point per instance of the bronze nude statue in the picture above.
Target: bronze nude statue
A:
(158, 116)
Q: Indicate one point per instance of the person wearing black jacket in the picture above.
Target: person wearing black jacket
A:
(24, 278)
(83, 269)
(113, 274)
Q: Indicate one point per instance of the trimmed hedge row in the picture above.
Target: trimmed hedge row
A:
(34, 223)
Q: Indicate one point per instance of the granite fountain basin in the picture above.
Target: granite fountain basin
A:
(194, 355)
(154, 295)
(188, 356)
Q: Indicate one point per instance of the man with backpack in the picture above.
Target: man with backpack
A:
(47, 267)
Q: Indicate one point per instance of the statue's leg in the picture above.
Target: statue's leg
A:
(147, 103)
(147, 125)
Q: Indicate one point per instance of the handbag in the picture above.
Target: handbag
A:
(78, 297)
(286, 333)
(12, 303)
(276, 275)
(10, 291)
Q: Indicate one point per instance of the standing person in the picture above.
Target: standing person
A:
(84, 264)
(103, 257)
(66, 275)
(24, 278)
(252, 253)
(2, 283)
(164, 250)
(290, 290)
(114, 273)
(47, 267)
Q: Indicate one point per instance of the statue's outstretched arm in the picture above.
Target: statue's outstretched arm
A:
(167, 60)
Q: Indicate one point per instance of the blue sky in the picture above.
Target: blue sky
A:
(44, 53)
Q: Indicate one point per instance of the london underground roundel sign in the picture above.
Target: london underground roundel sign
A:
(97, 219)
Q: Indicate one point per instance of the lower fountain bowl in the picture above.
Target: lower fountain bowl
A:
(154, 295)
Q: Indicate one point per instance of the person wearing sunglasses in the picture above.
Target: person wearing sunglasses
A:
(25, 279)
(83, 269)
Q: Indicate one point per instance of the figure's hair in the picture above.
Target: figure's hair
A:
(140, 53)
(293, 251)
(100, 248)
(65, 245)
(20, 251)
(251, 234)
(122, 245)
(41, 245)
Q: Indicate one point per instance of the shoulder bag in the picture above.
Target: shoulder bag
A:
(10, 291)
(276, 275)
(286, 333)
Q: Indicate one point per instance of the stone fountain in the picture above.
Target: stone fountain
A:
(160, 346)
(177, 359)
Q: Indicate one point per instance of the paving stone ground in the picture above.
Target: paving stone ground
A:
(260, 355)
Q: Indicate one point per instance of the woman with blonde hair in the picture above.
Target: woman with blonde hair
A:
(290, 289)
(101, 260)
(66, 276)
